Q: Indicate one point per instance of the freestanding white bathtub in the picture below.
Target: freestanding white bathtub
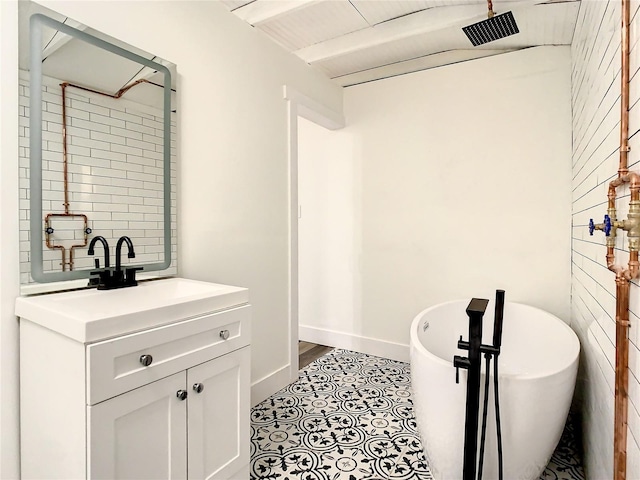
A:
(537, 372)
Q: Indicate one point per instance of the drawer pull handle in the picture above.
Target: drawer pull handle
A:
(182, 394)
(198, 387)
(146, 360)
(224, 334)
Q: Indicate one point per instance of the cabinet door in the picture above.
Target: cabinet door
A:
(140, 434)
(219, 416)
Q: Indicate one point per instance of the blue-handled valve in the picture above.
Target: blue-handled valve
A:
(607, 225)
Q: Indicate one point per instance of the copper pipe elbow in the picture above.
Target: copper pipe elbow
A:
(634, 180)
(619, 271)
(611, 195)
(634, 266)
(610, 258)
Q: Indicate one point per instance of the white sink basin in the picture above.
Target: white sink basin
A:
(93, 315)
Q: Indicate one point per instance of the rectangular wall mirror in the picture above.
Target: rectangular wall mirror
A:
(97, 150)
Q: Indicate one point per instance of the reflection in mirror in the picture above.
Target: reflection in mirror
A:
(96, 126)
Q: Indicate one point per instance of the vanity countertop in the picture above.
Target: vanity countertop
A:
(93, 315)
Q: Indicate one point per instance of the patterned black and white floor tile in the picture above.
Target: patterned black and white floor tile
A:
(350, 417)
(565, 462)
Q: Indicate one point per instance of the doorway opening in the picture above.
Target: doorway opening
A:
(299, 107)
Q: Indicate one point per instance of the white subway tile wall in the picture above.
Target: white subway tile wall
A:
(115, 177)
(595, 81)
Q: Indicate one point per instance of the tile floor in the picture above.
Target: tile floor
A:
(350, 417)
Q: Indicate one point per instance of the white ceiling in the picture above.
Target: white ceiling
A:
(356, 41)
(70, 59)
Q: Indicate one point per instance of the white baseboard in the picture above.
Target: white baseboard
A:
(270, 384)
(356, 343)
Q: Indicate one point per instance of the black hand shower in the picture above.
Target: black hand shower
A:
(497, 321)
(485, 409)
(497, 341)
(491, 29)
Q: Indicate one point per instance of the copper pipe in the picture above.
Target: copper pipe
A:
(629, 177)
(124, 89)
(622, 380)
(116, 95)
(624, 91)
(617, 269)
(63, 251)
(623, 277)
(65, 170)
(634, 266)
(47, 224)
(611, 196)
(610, 258)
(491, 13)
(634, 180)
(622, 281)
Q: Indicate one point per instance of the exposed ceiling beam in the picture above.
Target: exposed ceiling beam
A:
(145, 73)
(414, 65)
(418, 23)
(60, 39)
(256, 13)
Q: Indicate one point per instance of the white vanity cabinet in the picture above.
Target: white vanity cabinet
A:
(146, 433)
(169, 400)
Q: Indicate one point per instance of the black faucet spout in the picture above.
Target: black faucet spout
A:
(130, 251)
(107, 279)
(105, 245)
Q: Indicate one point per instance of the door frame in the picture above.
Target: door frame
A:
(299, 105)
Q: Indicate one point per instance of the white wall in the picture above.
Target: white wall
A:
(232, 155)
(9, 267)
(461, 185)
(596, 130)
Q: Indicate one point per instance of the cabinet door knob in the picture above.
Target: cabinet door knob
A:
(182, 394)
(224, 334)
(198, 387)
(146, 360)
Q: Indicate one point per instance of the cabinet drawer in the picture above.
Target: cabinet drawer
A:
(116, 366)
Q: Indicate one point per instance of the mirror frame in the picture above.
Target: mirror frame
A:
(37, 21)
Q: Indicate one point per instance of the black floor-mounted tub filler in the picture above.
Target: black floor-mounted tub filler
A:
(472, 466)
